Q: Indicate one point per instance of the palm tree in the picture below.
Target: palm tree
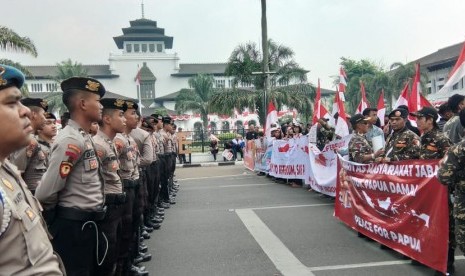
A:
(11, 41)
(65, 70)
(197, 99)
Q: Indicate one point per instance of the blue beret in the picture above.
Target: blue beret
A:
(10, 76)
(113, 103)
(83, 84)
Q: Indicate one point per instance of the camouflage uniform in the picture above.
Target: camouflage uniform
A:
(324, 136)
(358, 147)
(434, 145)
(402, 145)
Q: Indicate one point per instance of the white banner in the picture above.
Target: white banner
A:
(322, 173)
(289, 158)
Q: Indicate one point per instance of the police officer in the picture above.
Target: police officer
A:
(175, 143)
(72, 189)
(402, 143)
(31, 160)
(113, 122)
(129, 172)
(24, 244)
(166, 157)
(360, 150)
(48, 133)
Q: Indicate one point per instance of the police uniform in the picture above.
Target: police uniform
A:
(165, 170)
(111, 225)
(72, 190)
(32, 160)
(129, 172)
(24, 242)
(358, 144)
(401, 144)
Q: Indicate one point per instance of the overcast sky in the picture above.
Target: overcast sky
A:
(319, 31)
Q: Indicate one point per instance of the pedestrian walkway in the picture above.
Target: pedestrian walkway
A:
(229, 221)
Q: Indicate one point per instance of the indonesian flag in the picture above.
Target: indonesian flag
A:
(342, 127)
(402, 100)
(137, 78)
(414, 100)
(424, 102)
(342, 83)
(457, 73)
(271, 118)
(381, 108)
(319, 111)
(363, 101)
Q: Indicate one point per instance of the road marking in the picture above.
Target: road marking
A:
(207, 177)
(288, 206)
(245, 185)
(278, 253)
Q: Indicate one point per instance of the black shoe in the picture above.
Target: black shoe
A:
(136, 271)
(143, 248)
(148, 224)
(143, 257)
(141, 239)
(156, 220)
(166, 205)
(172, 201)
(160, 213)
(147, 228)
(145, 235)
(156, 226)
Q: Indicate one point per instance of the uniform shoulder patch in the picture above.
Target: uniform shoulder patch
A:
(31, 148)
(65, 169)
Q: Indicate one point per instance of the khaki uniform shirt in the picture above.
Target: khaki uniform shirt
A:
(402, 145)
(24, 242)
(128, 156)
(160, 141)
(434, 145)
(110, 165)
(144, 143)
(358, 147)
(174, 140)
(32, 162)
(74, 178)
(167, 142)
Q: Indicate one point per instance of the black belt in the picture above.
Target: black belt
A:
(80, 215)
(129, 183)
(115, 199)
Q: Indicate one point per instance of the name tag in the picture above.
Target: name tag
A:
(90, 164)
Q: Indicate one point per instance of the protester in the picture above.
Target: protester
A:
(402, 143)
(238, 146)
(64, 119)
(251, 133)
(446, 113)
(408, 124)
(360, 150)
(373, 130)
(214, 148)
(325, 133)
(453, 128)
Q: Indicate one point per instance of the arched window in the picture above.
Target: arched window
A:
(239, 124)
(225, 126)
(198, 129)
(213, 127)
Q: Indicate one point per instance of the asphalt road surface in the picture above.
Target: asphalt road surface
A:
(229, 221)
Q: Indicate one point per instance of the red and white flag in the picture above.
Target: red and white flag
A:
(424, 102)
(457, 73)
(414, 99)
(402, 100)
(319, 111)
(342, 83)
(363, 101)
(271, 118)
(342, 126)
(137, 78)
(381, 108)
(335, 109)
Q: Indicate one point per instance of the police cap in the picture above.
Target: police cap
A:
(10, 76)
(132, 105)
(113, 103)
(398, 113)
(167, 120)
(35, 102)
(82, 84)
(50, 115)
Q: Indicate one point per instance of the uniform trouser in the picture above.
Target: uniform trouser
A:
(127, 233)
(164, 176)
(111, 226)
(153, 183)
(75, 242)
(137, 215)
(452, 242)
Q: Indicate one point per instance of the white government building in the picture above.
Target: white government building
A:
(144, 46)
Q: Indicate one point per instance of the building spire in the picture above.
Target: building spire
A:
(142, 6)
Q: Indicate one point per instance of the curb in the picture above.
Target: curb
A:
(210, 164)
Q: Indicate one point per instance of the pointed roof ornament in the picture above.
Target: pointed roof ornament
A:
(142, 6)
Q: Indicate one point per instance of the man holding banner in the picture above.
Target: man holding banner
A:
(360, 150)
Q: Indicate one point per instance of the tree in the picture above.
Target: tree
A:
(197, 99)
(65, 69)
(246, 59)
(11, 41)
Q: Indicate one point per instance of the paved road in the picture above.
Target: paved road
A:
(228, 221)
